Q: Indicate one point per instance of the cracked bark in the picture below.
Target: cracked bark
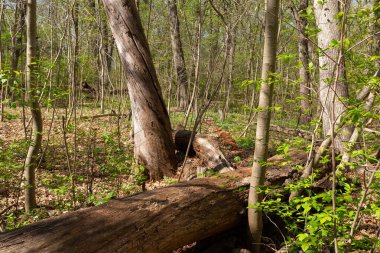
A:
(153, 145)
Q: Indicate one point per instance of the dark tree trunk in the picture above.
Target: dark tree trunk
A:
(178, 57)
(155, 221)
(153, 145)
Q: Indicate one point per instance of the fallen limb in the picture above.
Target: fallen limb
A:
(205, 148)
(105, 115)
(290, 131)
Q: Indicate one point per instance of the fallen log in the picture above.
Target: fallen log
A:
(155, 221)
(205, 148)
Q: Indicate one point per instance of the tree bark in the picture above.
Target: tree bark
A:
(32, 98)
(332, 108)
(156, 221)
(230, 54)
(376, 11)
(178, 57)
(303, 56)
(153, 145)
(2, 90)
(17, 32)
(263, 122)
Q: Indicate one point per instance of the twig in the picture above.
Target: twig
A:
(360, 205)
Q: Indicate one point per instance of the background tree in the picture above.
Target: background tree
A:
(299, 12)
(178, 57)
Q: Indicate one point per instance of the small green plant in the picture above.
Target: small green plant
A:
(98, 199)
(139, 174)
(237, 159)
(245, 142)
(170, 180)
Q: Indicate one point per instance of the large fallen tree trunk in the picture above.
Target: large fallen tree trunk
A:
(155, 221)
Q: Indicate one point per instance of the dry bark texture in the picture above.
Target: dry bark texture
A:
(155, 221)
(153, 145)
(206, 149)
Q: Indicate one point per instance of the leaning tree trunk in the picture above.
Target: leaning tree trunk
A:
(32, 98)
(263, 122)
(153, 145)
(330, 95)
(178, 57)
(303, 56)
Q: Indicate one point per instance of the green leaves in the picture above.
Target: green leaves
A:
(287, 57)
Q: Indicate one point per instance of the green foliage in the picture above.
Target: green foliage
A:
(170, 180)
(10, 161)
(245, 142)
(117, 160)
(139, 174)
(101, 198)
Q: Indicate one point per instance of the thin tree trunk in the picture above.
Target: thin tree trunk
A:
(230, 50)
(153, 145)
(178, 57)
(16, 48)
(1, 61)
(303, 56)
(32, 98)
(263, 122)
(2, 7)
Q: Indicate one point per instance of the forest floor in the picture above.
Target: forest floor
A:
(101, 165)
